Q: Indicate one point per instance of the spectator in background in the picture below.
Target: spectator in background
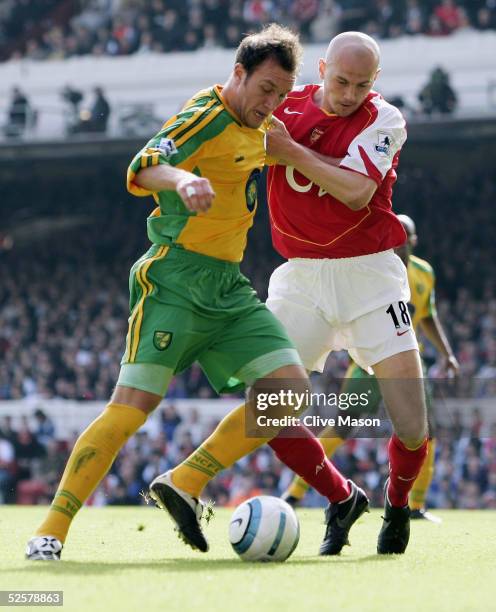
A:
(438, 95)
(100, 111)
(304, 13)
(6, 430)
(95, 119)
(414, 18)
(73, 97)
(34, 51)
(51, 467)
(232, 36)
(27, 448)
(257, 12)
(18, 114)
(172, 31)
(356, 14)
(385, 18)
(170, 420)
(8, 470)
(326, 23)
(192, 428)
(486, 17)
(145, 43)
(45, 429)
(210, 36)
(450, 16)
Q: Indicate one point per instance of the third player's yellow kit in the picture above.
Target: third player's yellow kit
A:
(421, 280)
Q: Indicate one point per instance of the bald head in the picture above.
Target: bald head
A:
(349, 70)
(406, 249)
(354, 45)
(409, 224)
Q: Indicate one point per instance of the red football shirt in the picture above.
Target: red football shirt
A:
(308, 222)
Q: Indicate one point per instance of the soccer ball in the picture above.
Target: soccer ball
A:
(264, 528)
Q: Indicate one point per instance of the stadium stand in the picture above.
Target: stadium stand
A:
(32, 460)
(64, 338)
(72, 232)
(66, 28)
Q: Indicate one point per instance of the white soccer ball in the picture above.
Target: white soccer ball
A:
(264, 528)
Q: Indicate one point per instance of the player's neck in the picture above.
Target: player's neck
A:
(318, 96)
(229, 97)
(318, 99)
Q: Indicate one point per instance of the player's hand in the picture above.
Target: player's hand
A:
(451, 366)
(278, 142)
(196, 193)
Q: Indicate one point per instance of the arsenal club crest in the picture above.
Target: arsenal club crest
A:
(316, 134)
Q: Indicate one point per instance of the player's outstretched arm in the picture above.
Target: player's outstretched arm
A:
(196, 192)
(351, 188)
(434, 332)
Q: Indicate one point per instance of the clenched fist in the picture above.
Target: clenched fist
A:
(196, 193)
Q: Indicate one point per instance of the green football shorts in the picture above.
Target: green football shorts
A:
(187, 307)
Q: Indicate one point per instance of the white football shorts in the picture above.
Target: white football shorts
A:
(359, 304)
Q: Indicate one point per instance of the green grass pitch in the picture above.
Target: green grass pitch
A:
(130, 559)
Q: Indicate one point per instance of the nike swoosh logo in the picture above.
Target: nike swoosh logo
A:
(402, 333)
(237, 521)
(290, 112)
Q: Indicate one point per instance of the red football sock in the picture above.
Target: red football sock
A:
(404, 467)
(305, 456)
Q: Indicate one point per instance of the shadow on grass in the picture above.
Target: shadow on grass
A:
(191, 565)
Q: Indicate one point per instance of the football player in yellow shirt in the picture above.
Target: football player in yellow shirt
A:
(422, 308)
(189, 302)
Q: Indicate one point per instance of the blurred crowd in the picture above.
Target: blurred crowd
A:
(64, 300)
(56, 29)
(63, 320)
(32, 459)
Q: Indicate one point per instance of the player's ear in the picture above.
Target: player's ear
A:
(413, 240)
(239, 73)
(322, 67)
(376, 75)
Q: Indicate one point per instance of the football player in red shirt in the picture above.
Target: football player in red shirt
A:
(337, 147)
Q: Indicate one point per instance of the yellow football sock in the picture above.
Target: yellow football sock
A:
(423, 481)
(222, 448)
(331, 445)
(91, 458)
(298, 487)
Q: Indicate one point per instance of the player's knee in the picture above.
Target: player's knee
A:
(286, 391)
(412, 434)
(142, 400)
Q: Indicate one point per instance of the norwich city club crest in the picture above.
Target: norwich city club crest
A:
(251, 190)
(161, 340)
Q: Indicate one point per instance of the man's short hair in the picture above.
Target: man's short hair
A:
(273, 42)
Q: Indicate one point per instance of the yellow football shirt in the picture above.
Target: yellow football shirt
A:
(205, 138)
